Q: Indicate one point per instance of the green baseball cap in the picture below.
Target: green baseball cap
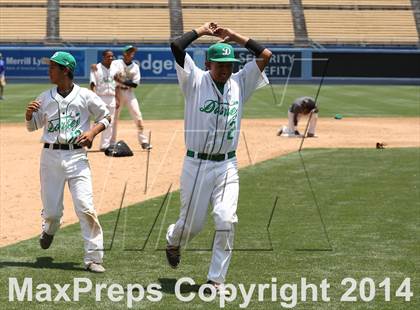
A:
(221, 52)
(129, 47)
(65, 59)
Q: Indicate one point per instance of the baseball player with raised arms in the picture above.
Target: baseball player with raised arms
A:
(103, 84)
(64, 112)
(301, 106)
(214, 102)
(127, 75)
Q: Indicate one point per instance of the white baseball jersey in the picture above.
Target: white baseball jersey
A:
(64, 119)
(130, 72)
(212, 120)
(103, 80)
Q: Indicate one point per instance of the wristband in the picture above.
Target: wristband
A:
(104, 122)
(254, 47)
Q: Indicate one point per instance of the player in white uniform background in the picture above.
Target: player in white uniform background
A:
(63, 112)
(103, 84)
(127, 75)
(214, 102)
(301, 106)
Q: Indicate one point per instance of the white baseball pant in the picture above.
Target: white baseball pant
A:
(127, 97)
(204, 182)
(312, 122)
(57, 167)
(108, 137)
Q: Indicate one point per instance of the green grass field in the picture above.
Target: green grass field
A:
(165, 101)
(369, 201)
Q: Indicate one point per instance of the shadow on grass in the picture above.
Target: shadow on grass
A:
(168, 286)
(43, 263)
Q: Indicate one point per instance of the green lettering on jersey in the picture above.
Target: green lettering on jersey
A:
(225, 109)
(209, 106)
(233, 116)
(68, 122)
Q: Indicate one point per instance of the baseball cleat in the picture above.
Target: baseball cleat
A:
(173, 255)
(96, 268)
(311, 135)
(220, 288)
(146, 146)
(45, 240)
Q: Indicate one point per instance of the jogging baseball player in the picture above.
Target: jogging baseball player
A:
(103, 84)
(127, 75)
(214, 102)
(64, 112)
(301, 106)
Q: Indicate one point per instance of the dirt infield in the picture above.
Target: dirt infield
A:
(20, 203)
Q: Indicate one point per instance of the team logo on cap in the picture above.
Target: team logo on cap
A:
(226, 51)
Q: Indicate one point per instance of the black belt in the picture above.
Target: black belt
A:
(212, 157)
(123, 87)
(66, 147)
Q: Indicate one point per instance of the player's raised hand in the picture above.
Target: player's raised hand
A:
(225, 34)
(207, 29)
(32, 107)
(228, 35)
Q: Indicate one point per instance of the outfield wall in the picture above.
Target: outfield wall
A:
(28, 64)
